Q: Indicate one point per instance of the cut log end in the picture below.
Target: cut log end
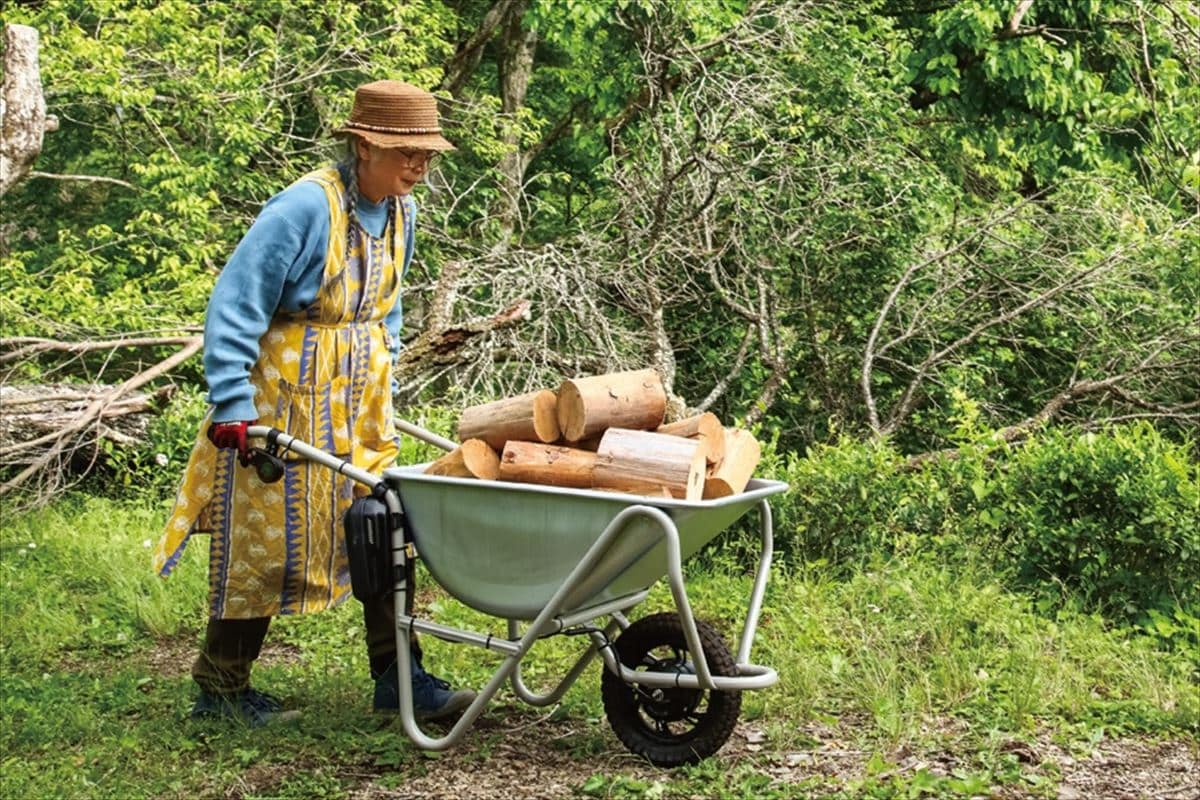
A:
(715, 488)
(474, 459)
(707, 428)
(545, 416)
(742, 453)
(569, 413)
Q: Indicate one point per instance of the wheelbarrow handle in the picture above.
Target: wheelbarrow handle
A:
(425, 436)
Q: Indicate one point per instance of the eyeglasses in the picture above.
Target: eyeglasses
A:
(414, 159)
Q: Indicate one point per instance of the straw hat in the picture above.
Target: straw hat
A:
(396, 114)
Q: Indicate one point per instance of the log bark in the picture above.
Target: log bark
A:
(32, 415)
(707, 428)
(530, 417)
(742, 452)
(587, 406)
(474, 459)
(530, 462)
(643, 462)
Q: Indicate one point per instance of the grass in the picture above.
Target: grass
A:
(905, 657)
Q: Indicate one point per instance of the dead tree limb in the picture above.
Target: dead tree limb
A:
(23, 119)
(91, 415)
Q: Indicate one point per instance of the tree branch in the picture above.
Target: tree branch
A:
(82, 178)
(458, 70)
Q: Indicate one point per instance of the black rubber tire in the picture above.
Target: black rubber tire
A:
(679, 726)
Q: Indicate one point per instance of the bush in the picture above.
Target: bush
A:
(153, 468)
(1107, 519)
(1113, 516)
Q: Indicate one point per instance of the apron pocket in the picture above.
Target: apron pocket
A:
(316, 413)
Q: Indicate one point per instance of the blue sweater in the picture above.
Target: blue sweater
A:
(278, 264)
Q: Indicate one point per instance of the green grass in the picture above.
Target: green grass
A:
(906, 655)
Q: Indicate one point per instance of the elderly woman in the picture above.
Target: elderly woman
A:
(300, 334)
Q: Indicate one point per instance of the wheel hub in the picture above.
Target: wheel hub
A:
(669, 705)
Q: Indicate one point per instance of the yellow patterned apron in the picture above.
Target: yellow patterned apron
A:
(324, 376)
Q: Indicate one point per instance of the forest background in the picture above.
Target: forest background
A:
(942, 257)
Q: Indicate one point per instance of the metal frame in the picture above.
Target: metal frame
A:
(552, 620)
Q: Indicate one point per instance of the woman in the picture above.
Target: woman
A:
(301, 332)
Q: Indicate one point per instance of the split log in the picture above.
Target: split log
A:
(705, 427)
(530, 462)
(742, 452)
(530, 417)
(587, 406)
(474, 459)
(643, 462)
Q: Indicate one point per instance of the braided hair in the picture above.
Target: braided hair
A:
(349, 168)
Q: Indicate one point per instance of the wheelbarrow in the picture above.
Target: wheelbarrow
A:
(571, 562)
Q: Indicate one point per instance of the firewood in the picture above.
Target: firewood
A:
(644, 462)
(531, 417)
(591, 443)
(705, 427)
(587, 406)
(474, 459)
(531, 462)
(742, 452)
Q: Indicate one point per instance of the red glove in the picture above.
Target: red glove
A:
(232, 434)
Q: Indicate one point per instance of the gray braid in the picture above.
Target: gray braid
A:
(349, 166)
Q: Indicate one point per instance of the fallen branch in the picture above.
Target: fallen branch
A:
(90, 417)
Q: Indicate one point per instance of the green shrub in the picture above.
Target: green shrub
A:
(1112, 516)
(1108, 520)
(153, 468)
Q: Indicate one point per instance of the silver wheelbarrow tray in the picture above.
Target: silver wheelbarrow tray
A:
(505, 548)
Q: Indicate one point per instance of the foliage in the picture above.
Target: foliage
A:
(1077, 85)
(203, 111)
(1105, 519)
(727, 190)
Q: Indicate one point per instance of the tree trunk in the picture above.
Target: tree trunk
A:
(23, 118)
(648, 463)
(587, 406)
(528, 462)
(735, 470)
(530, 417)
(515, 66)
(473, 460)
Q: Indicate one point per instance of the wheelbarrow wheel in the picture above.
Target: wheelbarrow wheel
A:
(670, 727)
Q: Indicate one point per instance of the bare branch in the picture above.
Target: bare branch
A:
(91, 415)
(82, 178)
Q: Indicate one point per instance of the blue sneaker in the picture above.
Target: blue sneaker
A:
(252, 707)
(432, 697)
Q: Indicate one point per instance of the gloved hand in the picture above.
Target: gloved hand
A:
(232, 434)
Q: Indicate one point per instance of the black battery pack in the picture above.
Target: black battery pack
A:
(368, 545)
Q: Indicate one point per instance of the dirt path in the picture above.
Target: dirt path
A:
(529, 757)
